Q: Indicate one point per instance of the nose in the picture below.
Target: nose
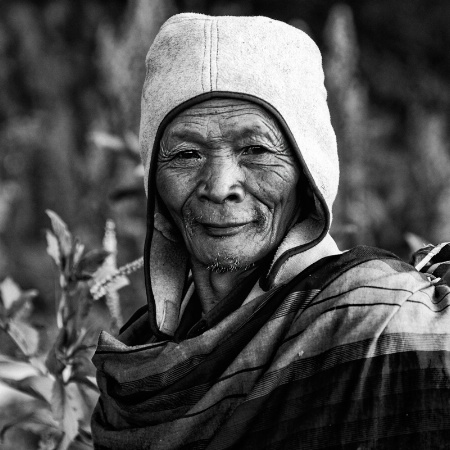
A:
(221, 181)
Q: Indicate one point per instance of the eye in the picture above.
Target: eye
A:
(187, 154)
(254, 150)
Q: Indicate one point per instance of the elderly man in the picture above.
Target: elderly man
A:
(259, 333)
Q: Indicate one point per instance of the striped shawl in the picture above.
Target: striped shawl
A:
(351, 353)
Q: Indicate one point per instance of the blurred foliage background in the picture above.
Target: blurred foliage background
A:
(70, 82)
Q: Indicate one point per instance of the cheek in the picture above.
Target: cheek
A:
(276, 187)
(174, 189)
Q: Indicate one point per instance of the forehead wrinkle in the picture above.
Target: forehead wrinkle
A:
(218, 106)
(251, 123)
(231, 111)
(266, 127)
(266, 130)
(190, 131)
(247, 127)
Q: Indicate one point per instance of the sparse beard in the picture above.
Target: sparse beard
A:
(228, 263)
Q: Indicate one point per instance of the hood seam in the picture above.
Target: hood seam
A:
(217, 52)
(202, 76)
(211, 55)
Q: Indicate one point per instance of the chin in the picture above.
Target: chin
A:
(222, 260)
(229, 266)
(229, 253)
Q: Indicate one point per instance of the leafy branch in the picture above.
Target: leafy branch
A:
(61, 381)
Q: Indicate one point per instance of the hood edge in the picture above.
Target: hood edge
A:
(268, 279)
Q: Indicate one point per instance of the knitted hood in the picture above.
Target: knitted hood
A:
(195, 58)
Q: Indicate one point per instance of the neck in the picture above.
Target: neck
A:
(213, 287)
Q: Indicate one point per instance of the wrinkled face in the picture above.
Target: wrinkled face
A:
(229, 180)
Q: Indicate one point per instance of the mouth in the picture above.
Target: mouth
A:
(224, 229)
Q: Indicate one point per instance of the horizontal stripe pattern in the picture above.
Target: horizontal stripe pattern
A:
(355, 356)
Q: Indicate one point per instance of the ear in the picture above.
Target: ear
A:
(166, 228)
(168, 268)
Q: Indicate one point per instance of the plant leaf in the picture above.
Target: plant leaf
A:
(50, 440)
(82, 401)
(9, 292)
(24, 335)
(38, 363)
(78, 252)
(83, 441)
(83, 276)
(53, 362)
(110, 240)
(62, 233)
(83, 366)
(92, 261)
(22, 308)
(65, 412)
(14, 369)
(40, 422)
(89, 381)
(53, 247)
(37, 386)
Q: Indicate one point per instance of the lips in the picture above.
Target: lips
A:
(224, 228)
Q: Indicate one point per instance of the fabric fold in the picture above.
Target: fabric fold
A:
(351, 331)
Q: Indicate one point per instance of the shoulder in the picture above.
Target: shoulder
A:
(362, 268)
(369, 291)
(379, 332)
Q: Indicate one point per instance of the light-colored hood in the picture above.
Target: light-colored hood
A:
(195, 58)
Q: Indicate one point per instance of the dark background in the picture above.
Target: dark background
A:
(70, 81)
